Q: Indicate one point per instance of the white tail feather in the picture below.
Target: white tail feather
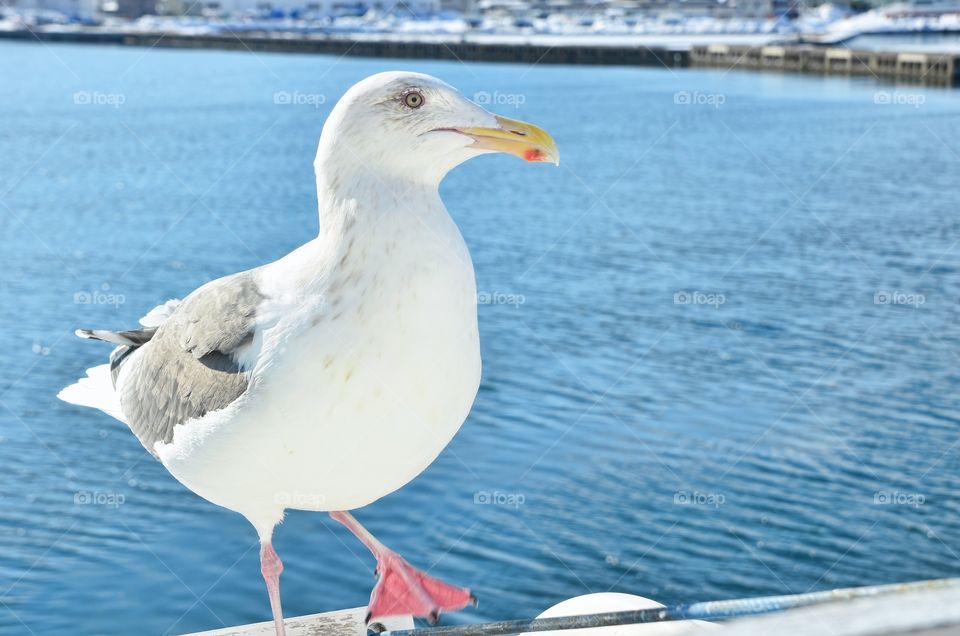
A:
(159, 314)
(95, 391)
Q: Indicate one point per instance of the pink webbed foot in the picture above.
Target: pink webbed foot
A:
(404, 590)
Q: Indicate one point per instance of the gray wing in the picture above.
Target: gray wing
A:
(186, 368)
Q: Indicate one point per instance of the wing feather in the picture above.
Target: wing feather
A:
(182, 363)
(189, 367)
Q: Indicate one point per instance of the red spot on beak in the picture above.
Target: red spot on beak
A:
(533, 154)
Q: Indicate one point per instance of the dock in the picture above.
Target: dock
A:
(919, 608)
(347, 622)
(935, 69)
(929, 68)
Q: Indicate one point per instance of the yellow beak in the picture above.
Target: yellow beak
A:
(518, 138)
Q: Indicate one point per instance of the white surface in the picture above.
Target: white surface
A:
(616, 602)
(888, 615)
(342, 623)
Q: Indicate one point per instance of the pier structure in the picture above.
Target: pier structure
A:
(918, 608)
(933, 68)
(431, 48)
(939, 69)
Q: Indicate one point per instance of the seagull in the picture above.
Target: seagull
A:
(278, 387)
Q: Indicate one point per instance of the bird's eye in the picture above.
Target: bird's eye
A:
(413, 99)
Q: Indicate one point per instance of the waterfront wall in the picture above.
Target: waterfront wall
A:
(927, 68)
(433, 50)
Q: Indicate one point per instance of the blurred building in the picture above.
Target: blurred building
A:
(586, 10)
(464, 7)
(521, 11)
(73, 8)
(313, 7)
(128, 8)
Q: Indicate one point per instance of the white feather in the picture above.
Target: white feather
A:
(159, 314)
(95, 391)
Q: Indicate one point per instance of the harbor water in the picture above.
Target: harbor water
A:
(720, 340)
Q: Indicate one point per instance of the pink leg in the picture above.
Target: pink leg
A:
(271, 567)
(401, 589)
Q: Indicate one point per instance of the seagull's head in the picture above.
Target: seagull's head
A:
(414, 125)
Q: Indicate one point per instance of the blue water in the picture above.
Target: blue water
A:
(812, 425)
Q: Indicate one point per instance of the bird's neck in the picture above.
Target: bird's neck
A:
(356, 197)
(362, 213)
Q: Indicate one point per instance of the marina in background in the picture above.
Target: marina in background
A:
(772, 35)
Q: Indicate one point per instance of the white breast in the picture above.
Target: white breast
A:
(362, 377)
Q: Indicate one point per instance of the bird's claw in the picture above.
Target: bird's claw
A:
(402, 590)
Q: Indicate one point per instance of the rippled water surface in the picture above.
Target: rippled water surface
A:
(720, 352)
